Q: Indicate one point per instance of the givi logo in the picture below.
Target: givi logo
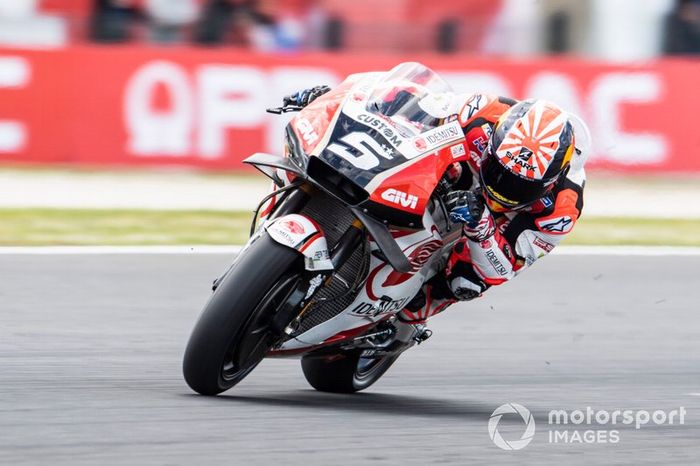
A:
(308, 133)
(401, 198)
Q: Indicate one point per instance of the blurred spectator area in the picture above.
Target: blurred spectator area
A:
(605, 29)
(361, 25)
(682, 29)
(409, 25)
(42, 23)
(358, 25)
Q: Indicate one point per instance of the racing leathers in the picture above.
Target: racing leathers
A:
(499, 245)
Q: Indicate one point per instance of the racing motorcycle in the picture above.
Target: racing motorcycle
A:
(355, 226)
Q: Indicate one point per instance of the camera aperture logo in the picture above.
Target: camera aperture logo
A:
(525, 438)
(580, 426)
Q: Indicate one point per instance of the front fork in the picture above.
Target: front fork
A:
(303, 234)
(281, 201)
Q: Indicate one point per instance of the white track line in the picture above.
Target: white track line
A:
(627, 251)
(202, 249)
(77, 250)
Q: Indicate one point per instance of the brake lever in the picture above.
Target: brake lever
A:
(285, 109)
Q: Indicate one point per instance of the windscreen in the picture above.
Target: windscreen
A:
(412, 96)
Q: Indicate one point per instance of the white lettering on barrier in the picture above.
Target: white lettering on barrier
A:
(609, 92)
(15, 72)
(228, 97)
(156, 131)
(557, 88)
(203, 110)
(600, 108)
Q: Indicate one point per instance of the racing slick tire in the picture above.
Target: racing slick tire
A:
(232, 333)
(346, 372)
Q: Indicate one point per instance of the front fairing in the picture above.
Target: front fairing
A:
(383, 134)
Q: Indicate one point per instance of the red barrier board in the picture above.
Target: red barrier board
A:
(95, 105)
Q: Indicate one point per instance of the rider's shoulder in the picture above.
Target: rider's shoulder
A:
(482, 108)
(558, 212)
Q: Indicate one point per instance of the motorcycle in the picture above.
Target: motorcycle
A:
(354, 228)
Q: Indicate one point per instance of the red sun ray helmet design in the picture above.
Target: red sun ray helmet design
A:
(529, 150)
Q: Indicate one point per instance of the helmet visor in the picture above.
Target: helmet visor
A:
(506, 188)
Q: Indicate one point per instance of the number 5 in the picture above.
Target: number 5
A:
(368, 150)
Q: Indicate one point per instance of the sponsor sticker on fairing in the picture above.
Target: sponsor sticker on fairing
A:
(400, 198)
(366, 309)
(293, 227)
(440, 136)
(290, 230)
(458, 151)
(391, 134)
(420, 144)
(308, 133)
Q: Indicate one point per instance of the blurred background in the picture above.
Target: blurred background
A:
(126, 121)
(604, 29)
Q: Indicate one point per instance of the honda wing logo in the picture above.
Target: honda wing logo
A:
(401, 198)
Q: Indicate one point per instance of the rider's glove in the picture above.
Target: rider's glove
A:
(306, 96)
(468, 207)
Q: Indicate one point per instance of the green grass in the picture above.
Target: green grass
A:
(636, 231)
(33, 227)
(29, 227)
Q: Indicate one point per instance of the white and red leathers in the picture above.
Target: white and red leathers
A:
(492, 256)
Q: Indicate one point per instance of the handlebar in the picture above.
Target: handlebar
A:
(285, 109)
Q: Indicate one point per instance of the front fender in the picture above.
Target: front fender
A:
(303, 234)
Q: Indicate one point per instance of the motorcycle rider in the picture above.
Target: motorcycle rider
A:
(517, 197)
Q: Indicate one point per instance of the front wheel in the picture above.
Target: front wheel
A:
(345, 372)
(233, 332)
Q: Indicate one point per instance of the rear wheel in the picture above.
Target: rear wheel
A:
(345, 372)
(233, 332)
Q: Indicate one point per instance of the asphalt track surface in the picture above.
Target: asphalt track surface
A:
(91, 347)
